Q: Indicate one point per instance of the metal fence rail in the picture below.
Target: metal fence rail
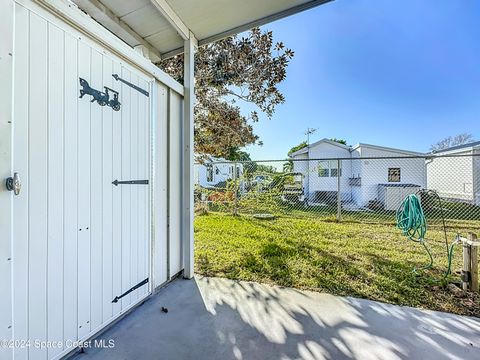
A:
(343, 189)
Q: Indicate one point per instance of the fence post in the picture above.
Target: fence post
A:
(470, 263)
(339, 195)
(235, 210)
(466, 266)
(473, 263)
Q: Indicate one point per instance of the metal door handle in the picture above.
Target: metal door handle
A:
(14, 184)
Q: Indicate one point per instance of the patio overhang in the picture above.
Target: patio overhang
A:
(162, 26)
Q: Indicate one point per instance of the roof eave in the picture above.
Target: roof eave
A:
(250, 25)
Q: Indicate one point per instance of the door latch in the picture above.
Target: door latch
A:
(14, 184)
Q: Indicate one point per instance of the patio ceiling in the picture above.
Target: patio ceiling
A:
(163, 25)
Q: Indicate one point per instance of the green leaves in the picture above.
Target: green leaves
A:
(246, 69)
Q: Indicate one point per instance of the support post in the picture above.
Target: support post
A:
(187, 157)
(339, 195)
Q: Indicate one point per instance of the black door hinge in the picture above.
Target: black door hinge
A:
(130, 182)
(140, 284)
(133, 86)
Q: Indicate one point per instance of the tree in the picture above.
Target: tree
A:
(340, 141)
(300, 146)
(234, 69)
(235, 154)
(266, 169)
(450, 141)
(249, 166)
(288, 166)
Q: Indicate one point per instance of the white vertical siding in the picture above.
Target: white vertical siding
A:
(70, 178)
(55, 192)
(452, 177)
(6, 68)
(38, 187)
(20, 205)
(96, 203)
(84, 178)
(107, 197)
(476, 176)
(117, 201)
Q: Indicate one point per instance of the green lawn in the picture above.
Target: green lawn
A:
(367, 260)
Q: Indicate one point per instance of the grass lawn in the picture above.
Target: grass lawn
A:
(366, 260)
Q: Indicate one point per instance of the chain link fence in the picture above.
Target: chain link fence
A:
(367, 190)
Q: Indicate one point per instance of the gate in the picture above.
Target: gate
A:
(81, 151)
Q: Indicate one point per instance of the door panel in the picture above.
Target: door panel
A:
(6, 171)
(79, 240)
(38, 186)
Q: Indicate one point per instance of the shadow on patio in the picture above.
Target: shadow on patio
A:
(211, 318)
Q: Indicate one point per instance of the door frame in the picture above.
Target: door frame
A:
(6, 197)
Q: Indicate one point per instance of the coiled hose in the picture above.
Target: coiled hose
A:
(413, 223)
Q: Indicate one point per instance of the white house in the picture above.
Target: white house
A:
(216, 171)
(455, 172)
(364, 171)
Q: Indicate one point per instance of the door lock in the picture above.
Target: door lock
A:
(14, 184)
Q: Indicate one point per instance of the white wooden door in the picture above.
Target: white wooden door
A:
(79, 240)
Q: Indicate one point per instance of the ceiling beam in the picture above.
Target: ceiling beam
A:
(109, 20)
(171, 16)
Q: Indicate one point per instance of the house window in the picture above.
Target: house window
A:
(334, 170)
(394, 175)
(209, 172)
(323, 169)
(329, 169)
(238, 171)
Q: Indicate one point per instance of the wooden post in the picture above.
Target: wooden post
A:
(473, 263)
(466, 266)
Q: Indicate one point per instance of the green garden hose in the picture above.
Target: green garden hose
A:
(413, 223)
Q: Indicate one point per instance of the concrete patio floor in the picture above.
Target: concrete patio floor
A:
(211, 318)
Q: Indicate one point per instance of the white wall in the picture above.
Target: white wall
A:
(167, 244)
(302, 167)
(317, 183)
(221, 172)
(452, 177)
(375, 171)
(476, 176)
(372, 172)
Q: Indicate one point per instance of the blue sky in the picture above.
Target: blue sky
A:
(395, 73)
